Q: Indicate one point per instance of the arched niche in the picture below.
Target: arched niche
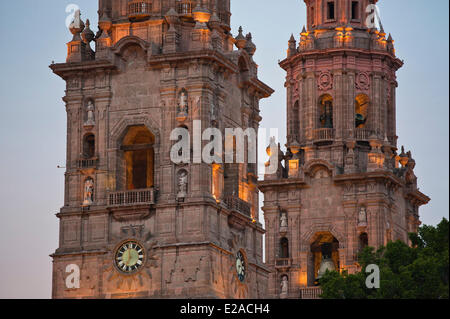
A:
(324, 247)
(295, 121)
(326, 111)
(89, 146)
(363, 241)
(284, 248)
(361, 110)
(138, 158)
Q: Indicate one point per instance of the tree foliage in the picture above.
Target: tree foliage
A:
(417, 272)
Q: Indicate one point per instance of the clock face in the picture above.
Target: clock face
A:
(130, 257)
(241, 266)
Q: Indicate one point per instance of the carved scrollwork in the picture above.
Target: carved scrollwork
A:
(325, 81)
(363, 81)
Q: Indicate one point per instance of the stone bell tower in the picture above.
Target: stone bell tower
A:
(342, 184)
(134, 223)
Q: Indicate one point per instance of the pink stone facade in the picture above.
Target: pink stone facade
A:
(342, 180)
(158, 65)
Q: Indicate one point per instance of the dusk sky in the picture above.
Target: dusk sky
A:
(33, 118)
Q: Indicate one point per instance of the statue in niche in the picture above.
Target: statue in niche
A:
(182, 184)
(183, 106)
(362, 218)
(90, 114)
(283, 220)
(88, 192)
(284, 286)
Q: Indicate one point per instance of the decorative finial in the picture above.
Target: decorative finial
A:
(241, 41)
(88, 35)
(250, 47)
(77, 26)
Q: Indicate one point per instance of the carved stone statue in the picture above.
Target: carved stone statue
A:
(283, 220)
(88, 192)
(90, 114)
(183, 103)
(182, 185)
(362, 218)
(284, 286)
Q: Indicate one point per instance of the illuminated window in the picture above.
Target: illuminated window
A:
(330, 11)
(361, 110)
(326, 111)
(139, 158)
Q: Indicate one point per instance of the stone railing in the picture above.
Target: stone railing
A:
(184, 7)
(310, 292)
(282, 263)
(239, 205)
(132, 198)
(324, 134)
(139, 9)
(87, 163)
(362, 134)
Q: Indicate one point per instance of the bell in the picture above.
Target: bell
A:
(326, 264)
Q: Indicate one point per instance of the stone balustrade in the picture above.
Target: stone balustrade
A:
(87, 163)
(310, 292)
(324, 134)
(139, 9)
(237, 204)
(282, 263)
(132, 198)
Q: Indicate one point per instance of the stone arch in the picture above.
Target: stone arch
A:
(362, 105)
(137, 158)
(89, 145)
(125, 42)
(309, 237)
(120, 129)
(312, 166)
(325, 111)
(244, 68)
(117, 135)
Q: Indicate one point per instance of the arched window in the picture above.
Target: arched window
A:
(330, 10)
(361, 110)
(326, 111)
(355, 10)
(89, 146)
(284, 248)
(363, 241)
(139, 158)
(296, 121)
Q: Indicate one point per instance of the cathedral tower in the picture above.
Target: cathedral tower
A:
(343, 185)
(134, 223)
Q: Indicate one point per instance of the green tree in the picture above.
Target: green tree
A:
(417, 272)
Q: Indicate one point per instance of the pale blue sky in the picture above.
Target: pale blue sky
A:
(33, 120)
